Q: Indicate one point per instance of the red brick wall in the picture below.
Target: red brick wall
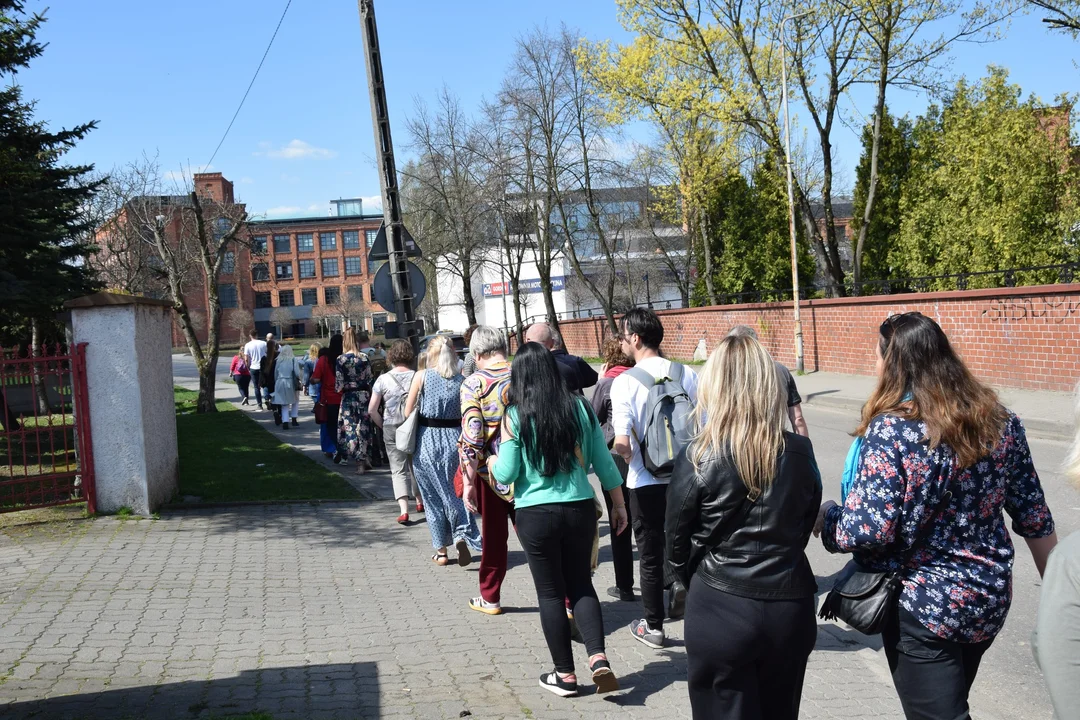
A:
(1014, 337)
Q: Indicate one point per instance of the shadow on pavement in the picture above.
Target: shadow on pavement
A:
(315, 691)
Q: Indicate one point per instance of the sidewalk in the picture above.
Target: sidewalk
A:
(1047, 415)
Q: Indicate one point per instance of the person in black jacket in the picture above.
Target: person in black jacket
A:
(740, 510)
(577, 373)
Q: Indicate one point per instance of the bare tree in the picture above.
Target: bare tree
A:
(190, 235)
(447, 174)
(242, 321)
(281, 318)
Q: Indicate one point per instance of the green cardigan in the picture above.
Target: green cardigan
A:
(532, 488)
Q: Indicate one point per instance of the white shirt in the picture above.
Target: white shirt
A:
(394, 388)
(256, 350)
(628, 400)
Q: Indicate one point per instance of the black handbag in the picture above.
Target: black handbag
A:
(866, 600)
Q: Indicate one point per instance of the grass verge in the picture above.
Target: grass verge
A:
(226, 457)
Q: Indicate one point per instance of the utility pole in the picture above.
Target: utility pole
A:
(384, 148)
(800, 366)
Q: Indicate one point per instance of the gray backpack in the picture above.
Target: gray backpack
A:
(668, 419)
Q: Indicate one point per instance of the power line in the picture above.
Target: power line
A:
(256, 75)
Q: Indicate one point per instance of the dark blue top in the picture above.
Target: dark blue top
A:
(958, 582)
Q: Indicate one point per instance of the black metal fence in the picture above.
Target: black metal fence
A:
(989, 279)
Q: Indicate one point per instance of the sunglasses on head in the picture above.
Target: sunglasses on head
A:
(889, 327)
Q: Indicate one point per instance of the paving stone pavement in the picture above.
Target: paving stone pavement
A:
(328, 611)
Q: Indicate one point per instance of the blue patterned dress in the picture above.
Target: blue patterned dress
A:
(436, 461)
(958, 581)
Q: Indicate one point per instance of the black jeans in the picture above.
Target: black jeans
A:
(932, 676)
(648, 505)
(622, 546)
(256, 380)
(746, 658)
(557, 539)
(242, 383)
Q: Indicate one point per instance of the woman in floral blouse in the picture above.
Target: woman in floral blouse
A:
(940, 460)
(353, 379)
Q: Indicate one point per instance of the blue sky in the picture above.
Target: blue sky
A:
(165, 78)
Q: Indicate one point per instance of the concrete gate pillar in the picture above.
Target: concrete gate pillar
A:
(129, 383)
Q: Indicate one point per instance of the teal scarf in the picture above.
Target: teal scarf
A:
(851, 464)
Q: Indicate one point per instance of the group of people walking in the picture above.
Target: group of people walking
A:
(717, 477)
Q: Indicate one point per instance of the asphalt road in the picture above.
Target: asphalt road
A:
(1009, 683)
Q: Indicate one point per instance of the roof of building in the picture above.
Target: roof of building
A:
(320, 220)
(843, 209)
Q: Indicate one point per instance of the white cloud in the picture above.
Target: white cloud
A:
(315, 207)
(246, 180)
(372, 203)
(294, 150)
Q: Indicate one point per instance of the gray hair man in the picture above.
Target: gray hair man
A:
(577, 373)
(794, 400)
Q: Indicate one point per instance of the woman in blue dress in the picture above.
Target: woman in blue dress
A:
(437, 393)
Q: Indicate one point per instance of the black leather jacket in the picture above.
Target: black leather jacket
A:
(763, 558)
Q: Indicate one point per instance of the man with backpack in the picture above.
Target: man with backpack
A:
(651, 408)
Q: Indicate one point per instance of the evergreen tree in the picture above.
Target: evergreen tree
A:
(43, 233)
(749, 236)
(894, 163)
(992, 186)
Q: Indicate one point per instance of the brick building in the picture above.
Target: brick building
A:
(292, 273)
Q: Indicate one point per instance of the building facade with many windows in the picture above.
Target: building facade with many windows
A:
(294, 274)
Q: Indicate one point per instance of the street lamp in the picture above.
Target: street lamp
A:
(648, 293)
(799, 364)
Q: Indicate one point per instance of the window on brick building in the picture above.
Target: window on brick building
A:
(356, 292)
(286, 298)
(258, 245)
(260, 272)
(283, 270)
(227, 296)
(228, 263)
(350, 239)
(298, 329)
(282, 244)
(378, 323)
(327, 241)
(263, 300)
(221, 226)
(332, 295)
(353, 266)
(369, 237)
(307, 268)
(309, 296)
(305, 242)
(329, 267)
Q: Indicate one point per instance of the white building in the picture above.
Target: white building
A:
(648, 256)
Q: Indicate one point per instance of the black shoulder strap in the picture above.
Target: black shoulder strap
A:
(739, 517)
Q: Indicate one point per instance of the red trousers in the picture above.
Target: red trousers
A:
(494, 514)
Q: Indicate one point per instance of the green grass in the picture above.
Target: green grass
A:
(227, 457)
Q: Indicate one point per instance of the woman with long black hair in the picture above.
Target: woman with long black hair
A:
(550, 439)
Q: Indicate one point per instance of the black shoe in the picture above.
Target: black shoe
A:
(551, 681)
(260, 406)
(285, 426)
(623, 595)
(295, 422)
(245, 402)
(338, 459)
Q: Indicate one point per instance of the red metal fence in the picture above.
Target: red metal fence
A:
(46, 457)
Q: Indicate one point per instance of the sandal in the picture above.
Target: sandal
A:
(464, 557)
(441, 559)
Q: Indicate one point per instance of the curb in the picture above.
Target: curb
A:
(256, 503)
(1035, 427)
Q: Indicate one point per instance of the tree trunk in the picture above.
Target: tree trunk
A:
(40, 393)
(466, 288)
(871, 193)
(703, 230)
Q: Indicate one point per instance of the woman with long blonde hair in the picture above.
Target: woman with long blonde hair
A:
(741, 507)
(436, 392)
